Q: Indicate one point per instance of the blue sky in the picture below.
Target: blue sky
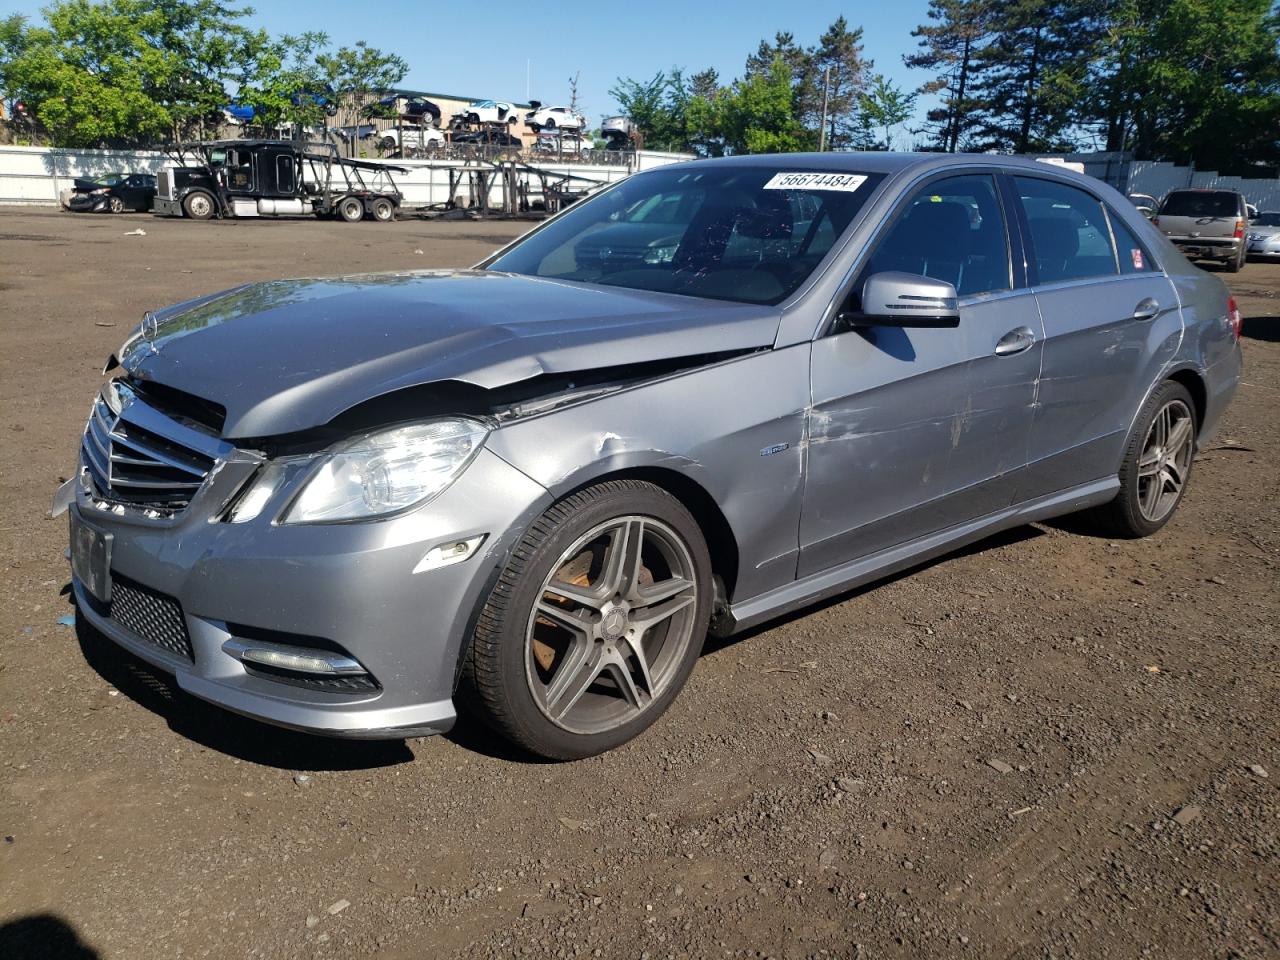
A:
(600, 40)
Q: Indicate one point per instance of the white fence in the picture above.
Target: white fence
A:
(36, 175)
(1156, 177)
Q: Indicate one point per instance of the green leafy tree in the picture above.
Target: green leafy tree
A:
(886, 105)
(757, 114)
(1190, 81)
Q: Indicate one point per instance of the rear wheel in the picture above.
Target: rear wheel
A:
(198, 205)
(383, 209)
(1156, 467)
(1234, 265)
(595, 624)
(351, 209)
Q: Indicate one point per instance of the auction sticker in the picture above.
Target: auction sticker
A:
(848, 182)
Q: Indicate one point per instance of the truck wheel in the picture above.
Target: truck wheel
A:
(1236, 262)
(198, 205)
(383, 210)
(351, 209)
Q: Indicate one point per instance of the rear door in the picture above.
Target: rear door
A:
(914, 430)
(1111, 321)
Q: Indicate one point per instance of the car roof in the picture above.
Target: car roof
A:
(879, 161)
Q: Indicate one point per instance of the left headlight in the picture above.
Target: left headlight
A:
(388, 471)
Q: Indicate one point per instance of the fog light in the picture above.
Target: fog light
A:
(300, 659)
(455, 551)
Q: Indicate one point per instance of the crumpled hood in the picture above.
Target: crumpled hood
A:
(287, 355)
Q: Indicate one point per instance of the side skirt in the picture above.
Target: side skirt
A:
(856, 573)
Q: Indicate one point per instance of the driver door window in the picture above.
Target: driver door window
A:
(950, 230)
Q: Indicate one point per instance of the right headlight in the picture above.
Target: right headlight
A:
(386, 472)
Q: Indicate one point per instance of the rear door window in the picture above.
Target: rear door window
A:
(1069, 234)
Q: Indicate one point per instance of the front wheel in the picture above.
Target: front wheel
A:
(115, 205)
(1156, 466)
(198, 205)
(595, 624)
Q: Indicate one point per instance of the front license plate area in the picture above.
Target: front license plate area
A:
(91, 558)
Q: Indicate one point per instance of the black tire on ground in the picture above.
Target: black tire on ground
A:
(1235, 263)
(383, 209)
(199, 205)
(115, 205)
(1123, 517)
(495, 678)
(351, 209)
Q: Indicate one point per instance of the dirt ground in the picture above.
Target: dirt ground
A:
(825, 787)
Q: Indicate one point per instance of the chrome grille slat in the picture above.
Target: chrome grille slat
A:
(155, 454)
(137, 465)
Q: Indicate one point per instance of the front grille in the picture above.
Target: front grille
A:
(130, 464)
(150, 615)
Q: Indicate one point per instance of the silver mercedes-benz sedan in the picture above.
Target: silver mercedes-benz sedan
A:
(705, 397)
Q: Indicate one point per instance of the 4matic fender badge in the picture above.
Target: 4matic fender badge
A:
(776, 448)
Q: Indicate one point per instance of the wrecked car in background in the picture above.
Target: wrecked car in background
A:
(112, 193)
(341, 504)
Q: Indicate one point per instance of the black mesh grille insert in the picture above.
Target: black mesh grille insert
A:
(150, 615)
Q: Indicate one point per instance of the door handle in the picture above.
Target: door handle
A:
(1146, 309)
(1015, 341)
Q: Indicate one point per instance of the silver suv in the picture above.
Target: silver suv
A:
(1206, 225)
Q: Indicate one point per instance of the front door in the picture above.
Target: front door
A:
(913, 430)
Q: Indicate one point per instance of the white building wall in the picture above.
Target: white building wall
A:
(36, 175)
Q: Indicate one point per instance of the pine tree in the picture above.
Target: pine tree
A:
(952, 46)
(839, 60)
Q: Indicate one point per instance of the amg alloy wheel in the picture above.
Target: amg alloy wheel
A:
(1165, 460)
(1156, 467)
(596, 622)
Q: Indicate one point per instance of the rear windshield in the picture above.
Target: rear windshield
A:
(748, 234)
(1200, 203)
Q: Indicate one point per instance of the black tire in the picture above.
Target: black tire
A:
(351, 209)
(550, 124)
(199, 205)
(387, 144)
(495, 682)
(115, 205)
(384, 210)
(1123, 517)
(1234, 264)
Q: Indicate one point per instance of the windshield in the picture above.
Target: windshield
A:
(1205, 203)
(108, 179)
(748, 234)
(1269, 219)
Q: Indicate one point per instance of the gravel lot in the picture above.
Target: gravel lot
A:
(1048, 745)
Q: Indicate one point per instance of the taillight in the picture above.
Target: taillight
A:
(1233, 316)
(1239, 229)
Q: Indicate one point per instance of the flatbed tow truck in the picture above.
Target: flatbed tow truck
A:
(273, 178)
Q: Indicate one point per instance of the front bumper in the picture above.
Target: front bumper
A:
(352, 584)
(86, 203)
(1269, 247)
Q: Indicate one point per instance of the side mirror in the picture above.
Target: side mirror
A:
(894, 299)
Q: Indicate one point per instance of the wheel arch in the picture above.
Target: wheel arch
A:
(721, 540)
(1191, 378)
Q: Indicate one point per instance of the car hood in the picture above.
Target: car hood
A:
(289, 355)
(1259, 230)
